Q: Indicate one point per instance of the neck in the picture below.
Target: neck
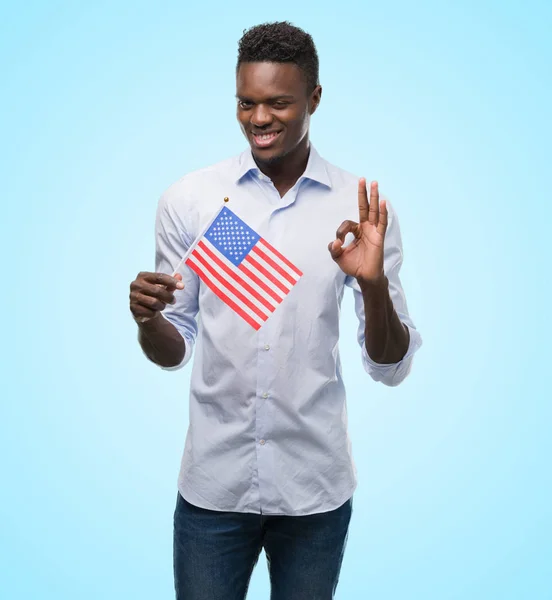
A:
(284, 172)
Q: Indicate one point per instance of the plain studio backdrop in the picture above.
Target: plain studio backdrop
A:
(446, 104)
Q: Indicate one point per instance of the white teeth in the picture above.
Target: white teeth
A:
(266, 136)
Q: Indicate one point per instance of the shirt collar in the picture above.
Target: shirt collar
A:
(316, 167)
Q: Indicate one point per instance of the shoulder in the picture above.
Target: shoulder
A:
(189, 202)
(346, 184)
(197, 183)
(341, 178)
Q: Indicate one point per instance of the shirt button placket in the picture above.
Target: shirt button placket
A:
(264, 382)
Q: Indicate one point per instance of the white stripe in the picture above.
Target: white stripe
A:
(225, 291)
(230, 280)
(273, 272)
(244, 276)
(278, 261)
(266, 281)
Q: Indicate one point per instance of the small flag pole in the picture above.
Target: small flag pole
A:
(194, 244)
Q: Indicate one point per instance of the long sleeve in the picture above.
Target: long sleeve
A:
(389, 374)
(171, 243)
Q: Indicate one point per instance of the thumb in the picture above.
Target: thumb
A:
(178, 286)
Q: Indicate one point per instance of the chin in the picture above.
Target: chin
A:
(268, 158)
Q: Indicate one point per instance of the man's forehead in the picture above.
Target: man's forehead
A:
(263, 74)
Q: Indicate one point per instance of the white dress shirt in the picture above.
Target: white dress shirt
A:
(268, 418)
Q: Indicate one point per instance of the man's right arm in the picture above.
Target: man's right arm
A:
(165, 306)
(160, 340)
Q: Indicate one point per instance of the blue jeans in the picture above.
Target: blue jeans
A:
(215, 552)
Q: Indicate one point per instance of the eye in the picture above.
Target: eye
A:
(280, 104)
(245, 104)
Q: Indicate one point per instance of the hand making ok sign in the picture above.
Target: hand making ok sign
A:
(363, 257)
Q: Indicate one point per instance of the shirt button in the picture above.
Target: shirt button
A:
(267, 347)
(262, 442)
(265, 395)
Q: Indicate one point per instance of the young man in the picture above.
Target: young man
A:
(267, 461)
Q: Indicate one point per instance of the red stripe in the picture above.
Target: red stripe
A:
(273, 264)
(229, 286)
(281, 257)
(237, 278)
(222, 295)
(259, 282)
(270, 277)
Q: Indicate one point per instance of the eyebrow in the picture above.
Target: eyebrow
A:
(272, 99)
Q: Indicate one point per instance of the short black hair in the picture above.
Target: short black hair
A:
(280, 42)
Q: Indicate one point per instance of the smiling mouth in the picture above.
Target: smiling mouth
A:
(264, 140)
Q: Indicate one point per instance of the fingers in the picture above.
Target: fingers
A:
(383, 214)
(336, 247)
(171, 283)
(155, 290)
(144, 300)
(373, 212)
(345, 228)
(151, 292)
(363, 210)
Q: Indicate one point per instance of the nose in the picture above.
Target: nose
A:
(261, 116)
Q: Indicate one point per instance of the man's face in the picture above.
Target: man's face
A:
(274, 108)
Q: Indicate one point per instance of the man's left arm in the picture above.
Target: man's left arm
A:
(386, 333)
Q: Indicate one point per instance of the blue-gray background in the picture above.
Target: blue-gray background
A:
(447, 104)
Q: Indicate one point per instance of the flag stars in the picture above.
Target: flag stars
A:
(231, 236)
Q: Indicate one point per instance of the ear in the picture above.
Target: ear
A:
(314, 99)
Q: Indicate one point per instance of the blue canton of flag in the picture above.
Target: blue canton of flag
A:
(231, 236)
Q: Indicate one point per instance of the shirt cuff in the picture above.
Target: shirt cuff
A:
(393, 373)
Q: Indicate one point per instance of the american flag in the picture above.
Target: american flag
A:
(242, 268)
